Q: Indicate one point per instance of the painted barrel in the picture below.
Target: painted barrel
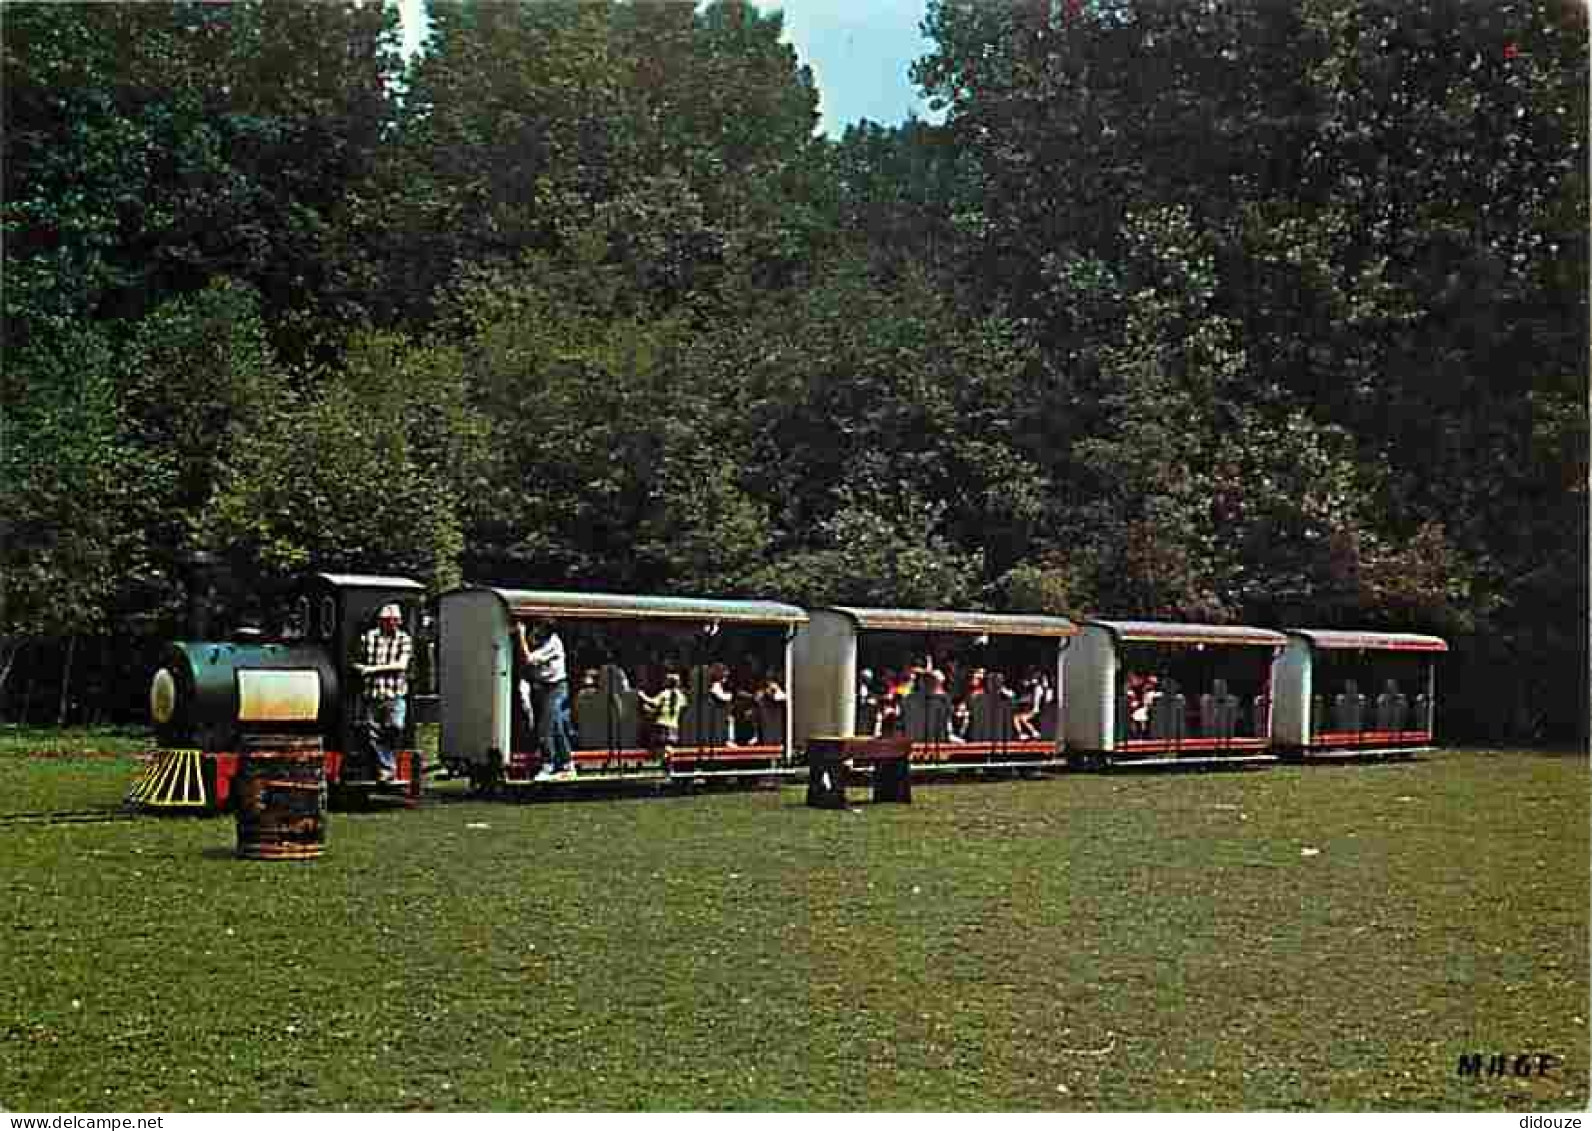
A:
(281, 799)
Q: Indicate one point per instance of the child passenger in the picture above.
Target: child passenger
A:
(1029, 704)
(665, 709)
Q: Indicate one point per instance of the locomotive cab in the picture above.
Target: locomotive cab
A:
(339, 609)
(293, 687)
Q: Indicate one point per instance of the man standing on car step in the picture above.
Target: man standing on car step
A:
(550, 681)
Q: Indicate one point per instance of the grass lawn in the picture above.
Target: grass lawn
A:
(34, 742)
(1292, 938)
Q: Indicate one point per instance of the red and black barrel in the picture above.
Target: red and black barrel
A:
(280, 794)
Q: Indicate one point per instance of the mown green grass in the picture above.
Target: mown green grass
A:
(43, 770)
(1085, 942)
(44, 742)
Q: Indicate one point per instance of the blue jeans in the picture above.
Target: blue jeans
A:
(383, 720)
(552, 721)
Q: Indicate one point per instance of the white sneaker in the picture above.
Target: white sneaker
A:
(545, 774)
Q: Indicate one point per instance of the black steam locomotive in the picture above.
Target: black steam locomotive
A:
(292, 688)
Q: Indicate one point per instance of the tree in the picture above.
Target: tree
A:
(614, 462)
(66, 487)
(867, 397)
(524, 124)
(152, 147)
(877, 551)
(900, 191)
(197, 377)
(367, 473)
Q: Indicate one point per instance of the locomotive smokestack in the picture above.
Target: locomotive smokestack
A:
(202, 575)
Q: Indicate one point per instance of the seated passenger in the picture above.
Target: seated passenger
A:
(723, 700)
(744, 717)
(924, 671)
(1029, 703)
(961, 719)
(943, 714)
(1001, 702)
(1149, 693)
(904, 684)
(867, 704)
(889, 717)
(771, 711)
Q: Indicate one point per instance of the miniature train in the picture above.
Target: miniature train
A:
(760, 680)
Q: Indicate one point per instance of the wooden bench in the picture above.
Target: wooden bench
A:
(830, 759)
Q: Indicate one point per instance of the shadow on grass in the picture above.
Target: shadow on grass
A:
(1152, 769)
(579, 791)
(1358, 762)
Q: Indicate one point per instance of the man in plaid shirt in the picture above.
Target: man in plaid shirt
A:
(384, 671)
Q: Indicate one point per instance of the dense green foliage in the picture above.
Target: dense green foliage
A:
(1237, 311)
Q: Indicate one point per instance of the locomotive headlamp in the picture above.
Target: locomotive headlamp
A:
(162, 696)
